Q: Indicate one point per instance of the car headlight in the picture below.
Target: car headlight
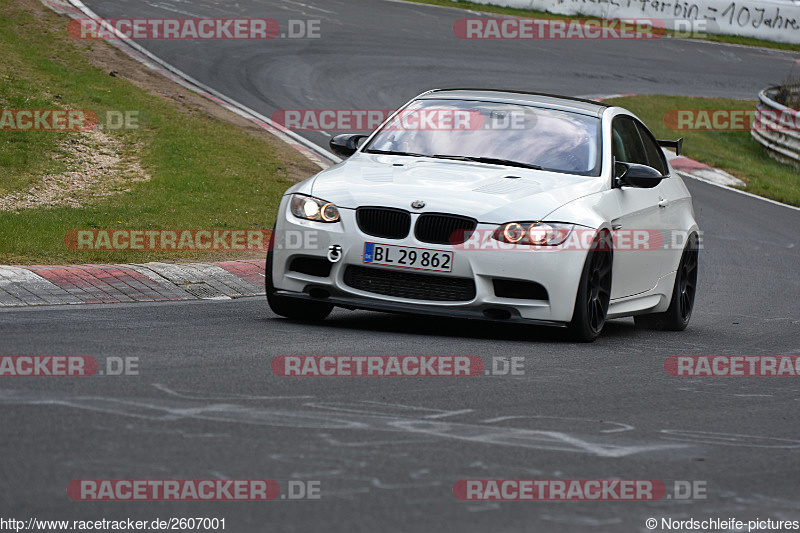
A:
(533, 233)
(311, 208)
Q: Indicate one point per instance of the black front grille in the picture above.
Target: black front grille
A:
(410, 285)
(384, 222)
(436, 228)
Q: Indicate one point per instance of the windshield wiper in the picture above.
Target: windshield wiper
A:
(490, 160)
(393, 152)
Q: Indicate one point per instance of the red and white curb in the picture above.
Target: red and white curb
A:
(148, 282)
(701, 171)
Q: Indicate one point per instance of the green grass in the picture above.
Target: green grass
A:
(205, 173)
(529, 13)
(735, 152)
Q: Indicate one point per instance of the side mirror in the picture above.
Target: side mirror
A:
(346, 144)
(635, 175)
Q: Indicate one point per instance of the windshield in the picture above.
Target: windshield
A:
(491, 132)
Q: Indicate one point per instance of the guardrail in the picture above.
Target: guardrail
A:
(774, 125)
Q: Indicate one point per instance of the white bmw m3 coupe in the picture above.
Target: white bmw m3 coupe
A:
(502, 206)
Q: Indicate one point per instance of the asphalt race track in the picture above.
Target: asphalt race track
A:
(387, 451)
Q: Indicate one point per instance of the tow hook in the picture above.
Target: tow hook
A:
(334, 253)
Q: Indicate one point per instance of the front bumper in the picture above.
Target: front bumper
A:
(558, 271)
(373, 304)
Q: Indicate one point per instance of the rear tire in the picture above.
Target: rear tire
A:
(594, 293)
(293, 308)
(677, 316)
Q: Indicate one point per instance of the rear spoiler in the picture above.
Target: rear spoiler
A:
(672, 144)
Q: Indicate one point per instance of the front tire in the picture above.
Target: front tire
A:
(292, 307)
(594, 293)
(677, 316)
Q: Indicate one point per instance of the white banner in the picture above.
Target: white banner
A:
(771, 21)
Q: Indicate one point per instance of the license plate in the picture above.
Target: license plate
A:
(408, 257)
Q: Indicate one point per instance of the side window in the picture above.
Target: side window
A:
(627, 145)
(654, 154)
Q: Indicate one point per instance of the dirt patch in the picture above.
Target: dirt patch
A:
(99, 166)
